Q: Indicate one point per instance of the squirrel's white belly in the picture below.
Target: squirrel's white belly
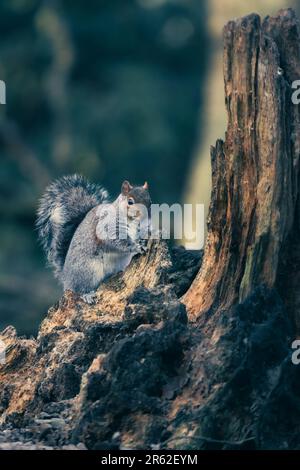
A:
(115, 262)
(111, 263)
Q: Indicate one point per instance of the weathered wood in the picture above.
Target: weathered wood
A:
(28, 367)
(241, 375)
(255, 172)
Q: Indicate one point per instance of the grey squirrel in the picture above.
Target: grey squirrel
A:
(87, 239)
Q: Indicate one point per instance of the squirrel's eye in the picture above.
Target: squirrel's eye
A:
(130, 201)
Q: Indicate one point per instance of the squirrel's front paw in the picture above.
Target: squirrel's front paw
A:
(89, 298)
(142, 247)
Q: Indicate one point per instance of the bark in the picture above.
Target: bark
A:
(255, 171)
(131, 371)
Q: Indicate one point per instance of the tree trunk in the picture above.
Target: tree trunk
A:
(254, 205)
(214, 122)
(245, 298)
(131, 372)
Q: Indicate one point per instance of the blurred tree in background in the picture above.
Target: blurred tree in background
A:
(110, 89)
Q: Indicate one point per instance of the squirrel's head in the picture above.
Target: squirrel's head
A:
(135, 197)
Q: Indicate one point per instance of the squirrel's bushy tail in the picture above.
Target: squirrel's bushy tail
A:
(61, 209)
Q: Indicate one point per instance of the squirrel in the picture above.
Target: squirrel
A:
(86, 238)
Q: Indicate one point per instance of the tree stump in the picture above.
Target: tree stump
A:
(244, 302)
(254, 212)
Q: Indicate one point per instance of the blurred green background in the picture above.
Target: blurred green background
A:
(114, 89)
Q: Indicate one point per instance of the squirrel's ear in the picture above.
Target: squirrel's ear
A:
(146, 185)
(126, 187)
